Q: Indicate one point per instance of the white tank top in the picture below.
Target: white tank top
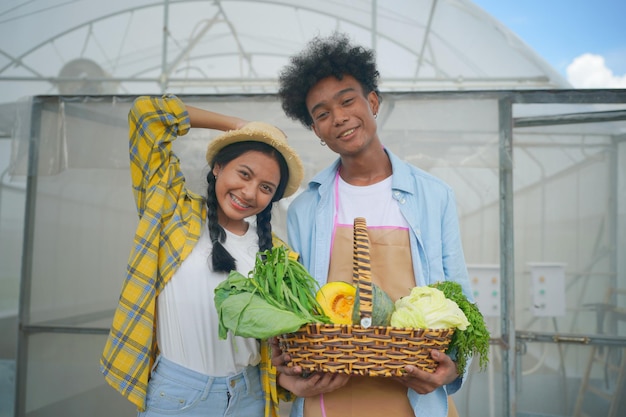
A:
(187, 321)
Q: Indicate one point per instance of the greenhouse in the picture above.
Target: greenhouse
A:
(538, 169)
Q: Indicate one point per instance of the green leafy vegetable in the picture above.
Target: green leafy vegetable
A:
(277, 297)
(248, 315)
(428, 308)
(473, 340)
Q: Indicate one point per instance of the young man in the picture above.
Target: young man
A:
(332, 88)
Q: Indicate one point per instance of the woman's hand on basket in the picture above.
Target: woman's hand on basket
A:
(314, 384)
(424, 382)
(280, 360)
(292, 379)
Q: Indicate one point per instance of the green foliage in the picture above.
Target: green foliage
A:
(249, 315)
(475, 339)
(277, 297)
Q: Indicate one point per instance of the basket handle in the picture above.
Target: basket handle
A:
(362, 271)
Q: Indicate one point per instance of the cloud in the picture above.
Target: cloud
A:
(590, 71)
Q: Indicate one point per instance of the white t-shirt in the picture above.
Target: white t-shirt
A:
(187, 321)
(373, 202)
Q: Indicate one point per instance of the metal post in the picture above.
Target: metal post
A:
(164, 70)
(27, 258)
(613, 225)
(375, 26)
(507, 264)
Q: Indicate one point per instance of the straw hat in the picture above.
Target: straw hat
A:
(266, 133)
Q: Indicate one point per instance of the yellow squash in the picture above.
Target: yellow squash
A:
(337, 301)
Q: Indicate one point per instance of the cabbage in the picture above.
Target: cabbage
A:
(428, 308)
(249, 315)
(244, 312)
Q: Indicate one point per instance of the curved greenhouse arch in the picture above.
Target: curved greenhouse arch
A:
(224, 47)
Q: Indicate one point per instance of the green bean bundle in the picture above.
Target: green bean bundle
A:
(277, 297)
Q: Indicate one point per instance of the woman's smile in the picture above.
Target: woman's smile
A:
(239, 203)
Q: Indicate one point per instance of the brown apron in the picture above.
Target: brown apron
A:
(390, 254)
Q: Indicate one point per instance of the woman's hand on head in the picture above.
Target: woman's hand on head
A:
(201, 118)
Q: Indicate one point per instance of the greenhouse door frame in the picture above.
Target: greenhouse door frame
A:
(511, 338)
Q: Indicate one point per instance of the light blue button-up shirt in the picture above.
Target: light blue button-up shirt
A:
(428, 205)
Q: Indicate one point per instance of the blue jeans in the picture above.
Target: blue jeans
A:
(174, 390)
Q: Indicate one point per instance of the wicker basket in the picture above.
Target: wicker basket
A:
(363, 349)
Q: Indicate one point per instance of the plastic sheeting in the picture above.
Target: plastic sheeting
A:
(567, 195)
(231, 46)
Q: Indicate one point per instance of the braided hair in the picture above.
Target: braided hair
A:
(221, 259)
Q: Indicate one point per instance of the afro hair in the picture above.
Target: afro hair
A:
(324, 57)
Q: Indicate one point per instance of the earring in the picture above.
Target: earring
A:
(322, 143)
(375, 115)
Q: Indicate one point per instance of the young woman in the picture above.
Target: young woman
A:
(163, 352)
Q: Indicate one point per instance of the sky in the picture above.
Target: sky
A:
(584, 40)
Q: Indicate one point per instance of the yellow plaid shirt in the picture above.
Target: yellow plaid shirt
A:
(170, 219)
